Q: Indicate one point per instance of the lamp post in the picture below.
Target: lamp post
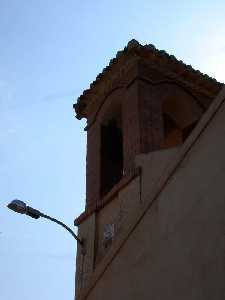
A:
(21, 207)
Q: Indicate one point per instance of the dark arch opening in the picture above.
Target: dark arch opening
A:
(111, 156)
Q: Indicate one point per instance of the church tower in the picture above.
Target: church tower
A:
(145, 101)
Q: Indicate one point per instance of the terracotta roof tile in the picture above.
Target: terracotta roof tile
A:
(161, 57)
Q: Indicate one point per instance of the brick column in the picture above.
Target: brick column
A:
(150, 118)
(142, 122)
(93, 166)
(131, 127)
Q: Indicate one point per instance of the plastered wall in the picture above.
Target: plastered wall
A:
(177, 250)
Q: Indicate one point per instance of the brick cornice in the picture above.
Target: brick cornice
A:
(158, 59)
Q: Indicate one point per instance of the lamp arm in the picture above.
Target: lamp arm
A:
(63, 225)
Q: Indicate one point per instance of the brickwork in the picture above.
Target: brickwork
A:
(139, 80)
(150, 119)
(142, 99)
(131, 127)
(93, 166)
(142, 124)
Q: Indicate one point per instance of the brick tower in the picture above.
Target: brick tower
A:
(144, 101)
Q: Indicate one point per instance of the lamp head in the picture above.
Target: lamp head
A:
(21, 207)
(18, 206)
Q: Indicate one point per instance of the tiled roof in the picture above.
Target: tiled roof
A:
(160, 57)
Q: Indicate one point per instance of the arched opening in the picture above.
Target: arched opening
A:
(111, 156)
(111, 148)
(180, 115)
(172, 133)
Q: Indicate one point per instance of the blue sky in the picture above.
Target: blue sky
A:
(50, 51)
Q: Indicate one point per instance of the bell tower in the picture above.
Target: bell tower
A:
(144, 101)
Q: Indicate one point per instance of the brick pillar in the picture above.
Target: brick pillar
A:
(131, 127)
(93, 165)
(142, 122)
(150, 118)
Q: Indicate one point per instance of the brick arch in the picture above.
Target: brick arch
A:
(181, 112)
(108, 100)
(109, 118)
(110, 106)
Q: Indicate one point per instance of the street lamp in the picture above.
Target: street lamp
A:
(21, 207)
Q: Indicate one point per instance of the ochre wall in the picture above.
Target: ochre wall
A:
(177, 249)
